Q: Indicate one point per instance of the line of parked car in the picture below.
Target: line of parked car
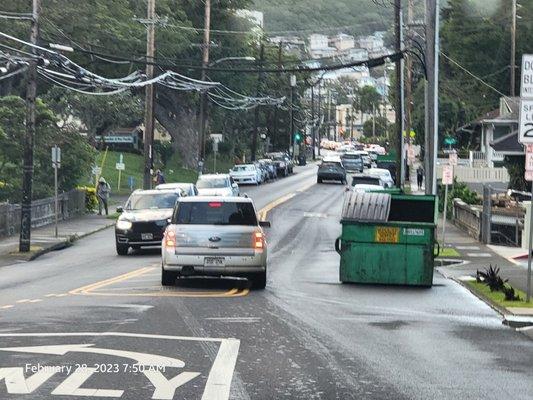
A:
(266, 169)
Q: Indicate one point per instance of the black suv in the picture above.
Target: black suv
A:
(144, 218)
(352, 162)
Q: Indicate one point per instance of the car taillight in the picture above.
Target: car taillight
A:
(169, 239)
(259, 240)
(215, 204)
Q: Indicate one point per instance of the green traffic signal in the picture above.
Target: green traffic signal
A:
(297, 137)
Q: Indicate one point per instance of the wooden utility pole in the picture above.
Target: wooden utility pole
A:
(149, 101)
(27, 169)
(313, 138)
(398, 105)
(257, 93)
(319, 115)
(513, 49)
(409, 79)
(203, 95)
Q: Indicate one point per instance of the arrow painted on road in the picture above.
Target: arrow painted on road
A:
(141, 358)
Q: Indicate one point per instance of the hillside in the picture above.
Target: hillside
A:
(350, 16)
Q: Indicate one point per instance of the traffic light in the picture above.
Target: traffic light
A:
(297, 137)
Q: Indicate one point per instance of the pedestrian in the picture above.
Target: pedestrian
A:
(420, 176)
(102, 192)
(159, 177)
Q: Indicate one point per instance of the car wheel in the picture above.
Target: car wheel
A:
(258, 281)
(168, 278)
(318, 180)
(122, 249)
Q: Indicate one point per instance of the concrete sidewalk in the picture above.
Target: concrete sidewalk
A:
(43, 239)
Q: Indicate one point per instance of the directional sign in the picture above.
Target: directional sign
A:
(120, 166)
(447, 175)
(526, 86)
(526, 121)
(56, 157)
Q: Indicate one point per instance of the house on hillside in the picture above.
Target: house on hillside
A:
(496, 134)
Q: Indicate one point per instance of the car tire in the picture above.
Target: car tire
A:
(122, 249)
(168, 278)
(318, 180)
(258, 280)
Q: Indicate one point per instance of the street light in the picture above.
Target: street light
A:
(204, 104)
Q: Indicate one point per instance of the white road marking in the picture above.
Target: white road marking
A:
(35, 301)
(7, 306)
(17, 384)
(23, 301)
(219, 381)
(140, 307)
(467, 247)
(234, 319)
(481, 255)
(71, 386)
(165, 388)
(315, 215)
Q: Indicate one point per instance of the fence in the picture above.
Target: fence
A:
(71, 203)
(477, 175)
(467, 218)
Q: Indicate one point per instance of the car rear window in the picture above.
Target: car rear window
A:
(351, 157)
(330, 165)
(143, 201)
(365, 181)
(211, 183)
(215, 213)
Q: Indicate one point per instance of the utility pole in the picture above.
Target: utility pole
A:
(313, 139)
(149, 102)
(402, 107)
(398, 105)
(203, 94)
(292, 84)
(319, 115)
(27, 170)
(432, 99)
(257, 93)
(329, 114)
(409, 80)
(513, 49)
(275, 128)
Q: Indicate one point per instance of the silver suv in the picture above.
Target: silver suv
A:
(215, 236)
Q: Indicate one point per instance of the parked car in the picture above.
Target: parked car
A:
(352, 162)
(246, 174)
(189, 189)
(383, 174)
(281, 163)
(143, 219)
(271, 168)
(215, 236)
(331, 170)
(217, 185)
(367, 161)
(263, 170)
(365, 179)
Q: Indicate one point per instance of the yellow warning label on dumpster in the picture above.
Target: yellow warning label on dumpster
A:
(386, 234)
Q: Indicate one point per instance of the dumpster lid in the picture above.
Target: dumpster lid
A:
(366, 207)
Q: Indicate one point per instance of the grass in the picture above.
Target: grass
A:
(134, 168)
(448, 252)
(498, 298)
(223, 165)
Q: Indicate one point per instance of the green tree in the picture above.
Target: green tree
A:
(381, 127)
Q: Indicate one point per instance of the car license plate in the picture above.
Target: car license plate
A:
(147, 236)
(385, 234)
(214, 261)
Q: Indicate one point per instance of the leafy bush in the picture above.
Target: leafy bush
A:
(459, 190)
(509, 293)
(91, 202)
(491, 278)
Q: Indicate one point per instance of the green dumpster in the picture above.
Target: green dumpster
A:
(387, 239)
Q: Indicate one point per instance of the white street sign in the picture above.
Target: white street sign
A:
(529, 176)
(453, 159)
(447, 175)
(529, 157)
(120, 166)
(526, 87)
(56, 156)
(526, 121)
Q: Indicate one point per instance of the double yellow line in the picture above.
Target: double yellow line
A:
(262, 214)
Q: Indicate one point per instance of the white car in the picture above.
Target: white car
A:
(217, 237)
(246, 174)
(188, 189)
(217, 185)
(363, 188)
(383, 174)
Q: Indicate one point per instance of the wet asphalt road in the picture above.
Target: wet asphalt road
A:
(306, 336)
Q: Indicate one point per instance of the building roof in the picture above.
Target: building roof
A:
(508, 144)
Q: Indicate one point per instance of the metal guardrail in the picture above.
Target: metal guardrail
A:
(71, 204)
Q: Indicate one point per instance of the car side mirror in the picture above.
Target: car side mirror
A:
(169, 220)
(120, 209)
(265, 224)
(234, 185)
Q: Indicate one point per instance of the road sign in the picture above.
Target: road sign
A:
(449, 140)
(526, 121)
(96, 170)
(120, 166)
(447, 174)
(526, 84)
(56, 156)
(453, 159)
(529, 176)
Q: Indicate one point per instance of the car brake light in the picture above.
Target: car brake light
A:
(258, 240)
(170, 238)
(215, 204)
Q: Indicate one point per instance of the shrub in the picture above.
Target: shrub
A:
(491, 278)
(91, 202)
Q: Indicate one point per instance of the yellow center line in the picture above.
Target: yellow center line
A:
(110, 281)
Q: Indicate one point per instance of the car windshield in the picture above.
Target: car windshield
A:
(330, 165)
(143, 201)
(215, 213)
(240, 168)
(212, 183)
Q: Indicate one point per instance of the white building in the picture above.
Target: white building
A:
(371, 43)
(317, 41)
(355, 55)
(342, 42)
(354, 73)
